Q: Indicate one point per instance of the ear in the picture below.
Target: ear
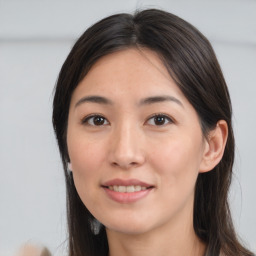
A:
(214, 147)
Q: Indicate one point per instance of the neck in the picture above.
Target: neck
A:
(176, 241)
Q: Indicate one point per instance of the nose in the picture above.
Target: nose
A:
(126, 148)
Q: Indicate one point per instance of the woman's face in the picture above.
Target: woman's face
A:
(135, 144)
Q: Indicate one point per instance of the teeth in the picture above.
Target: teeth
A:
(130, 189)
(126, 189)
(121, 188)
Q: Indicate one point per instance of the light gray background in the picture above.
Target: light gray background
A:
(35, 38)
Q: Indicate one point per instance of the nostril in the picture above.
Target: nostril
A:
(124, 164)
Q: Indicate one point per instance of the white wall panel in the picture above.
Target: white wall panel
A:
(54, 19)
(229, 20)
(32, 193)
(238, 63)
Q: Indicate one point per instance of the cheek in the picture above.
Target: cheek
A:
(83, 151)
(86, 158)
(177, 163)
(86, 164)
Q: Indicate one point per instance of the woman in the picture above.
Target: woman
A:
(142, 116)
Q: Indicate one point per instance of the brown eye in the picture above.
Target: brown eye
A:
(159, 120)
(95, 120)
(98, 120)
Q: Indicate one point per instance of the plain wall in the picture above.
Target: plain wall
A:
(35, 38)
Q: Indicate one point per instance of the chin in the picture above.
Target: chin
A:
(128, 230)
(129, 227)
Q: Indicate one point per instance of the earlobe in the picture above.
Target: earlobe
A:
(215, 146)
(69, 167)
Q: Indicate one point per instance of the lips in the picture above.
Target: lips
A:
(131, 185)
(121, 182)
(126, 191)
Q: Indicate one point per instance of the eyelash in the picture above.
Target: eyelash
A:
(87, 119)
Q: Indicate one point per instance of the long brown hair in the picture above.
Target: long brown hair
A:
(191, 62)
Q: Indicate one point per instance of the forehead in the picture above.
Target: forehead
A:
(128, 72)
(134, 57)
(129, 61)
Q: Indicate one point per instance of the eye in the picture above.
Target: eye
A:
(95, 120)
(159, 120)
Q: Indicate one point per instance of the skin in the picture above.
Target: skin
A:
(32, 250)
(130, 144)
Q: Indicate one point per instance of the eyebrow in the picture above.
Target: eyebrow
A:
(94, 99)
(158, 99)
(145, 101)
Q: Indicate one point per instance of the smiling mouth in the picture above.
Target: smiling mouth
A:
(127, 189)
